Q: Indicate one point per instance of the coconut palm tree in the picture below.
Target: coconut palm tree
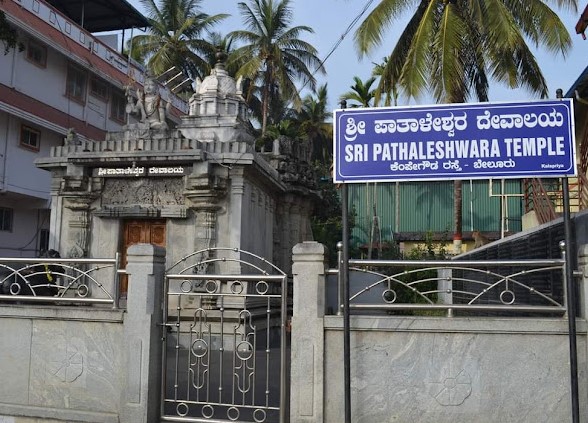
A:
(176, 37)
(274, 56)
(386, 88)
(361, 92)
(452, 49)
(313, 123)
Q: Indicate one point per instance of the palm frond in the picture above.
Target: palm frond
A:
(413, 77)
(176, 37)
(371, 31)
(281, 57)
(448, 45)
(454, 47)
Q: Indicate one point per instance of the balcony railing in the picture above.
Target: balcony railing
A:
(545, 196)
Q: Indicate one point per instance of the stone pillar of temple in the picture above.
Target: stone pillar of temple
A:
(78, 226)
(234, 231)
(205, 193)
(76, 194)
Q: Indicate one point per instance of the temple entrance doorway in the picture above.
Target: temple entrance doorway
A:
(138, 231)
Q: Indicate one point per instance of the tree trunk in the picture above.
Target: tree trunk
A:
(264, 102)
(265, 98)
(457, 215)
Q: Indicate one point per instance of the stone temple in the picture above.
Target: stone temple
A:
(198, 185)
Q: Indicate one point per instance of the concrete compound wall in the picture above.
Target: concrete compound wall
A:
(83, 364)
(427, 369)
(434, 370)
(74, 364)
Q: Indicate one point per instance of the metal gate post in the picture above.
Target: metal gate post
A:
(345, 276)
(571, 303)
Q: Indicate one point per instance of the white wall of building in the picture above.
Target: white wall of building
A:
(34, 94)
(29, 219)
(48, 85)
(19, 173)
(24, 188)
(7, 67)
(42, 84)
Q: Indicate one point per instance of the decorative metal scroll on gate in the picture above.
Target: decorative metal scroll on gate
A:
(224, 338)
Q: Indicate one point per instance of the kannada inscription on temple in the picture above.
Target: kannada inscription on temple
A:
(138, 171)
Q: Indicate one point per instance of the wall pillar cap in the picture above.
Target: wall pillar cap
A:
(308, 247)
(583, 250)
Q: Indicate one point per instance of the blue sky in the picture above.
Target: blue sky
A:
(330, 19)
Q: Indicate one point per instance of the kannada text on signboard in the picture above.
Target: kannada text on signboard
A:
(484, 140)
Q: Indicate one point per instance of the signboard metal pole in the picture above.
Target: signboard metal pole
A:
(344, 266)
(571, 301)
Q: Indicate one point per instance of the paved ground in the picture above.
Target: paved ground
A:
(215, 384)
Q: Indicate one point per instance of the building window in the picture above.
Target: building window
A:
(98, 88)
(117, 106)
(37, 53)
(6, 218)
(77, 80)
(30, 138)
(43, 239)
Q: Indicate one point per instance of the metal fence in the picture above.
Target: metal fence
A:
(60, 281)
(496, 287)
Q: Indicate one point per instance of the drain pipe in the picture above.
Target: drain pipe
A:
(4, 156)
(5, 153)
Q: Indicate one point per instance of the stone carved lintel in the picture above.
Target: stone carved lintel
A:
(203, 205)
(203, 201)
(145, 192)
(78, 203)
(208, 181)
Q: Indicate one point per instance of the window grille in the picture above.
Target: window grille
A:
(117, 106)
(77, 80)
(99, 88)
(6, 219)
(37, 53)
(30, 138)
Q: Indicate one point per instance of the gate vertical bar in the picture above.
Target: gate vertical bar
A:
(571, 303)
(346, 331)
(116, 285)
(164, 319)
(339, 279)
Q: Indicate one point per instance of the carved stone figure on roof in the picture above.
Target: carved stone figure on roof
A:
(150, 107)
(193, 100)
(72, 138)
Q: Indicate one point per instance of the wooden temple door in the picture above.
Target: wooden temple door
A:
(139, 231)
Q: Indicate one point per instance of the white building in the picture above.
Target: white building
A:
(64, 78)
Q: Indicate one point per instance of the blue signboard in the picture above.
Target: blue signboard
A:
(456, 141)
